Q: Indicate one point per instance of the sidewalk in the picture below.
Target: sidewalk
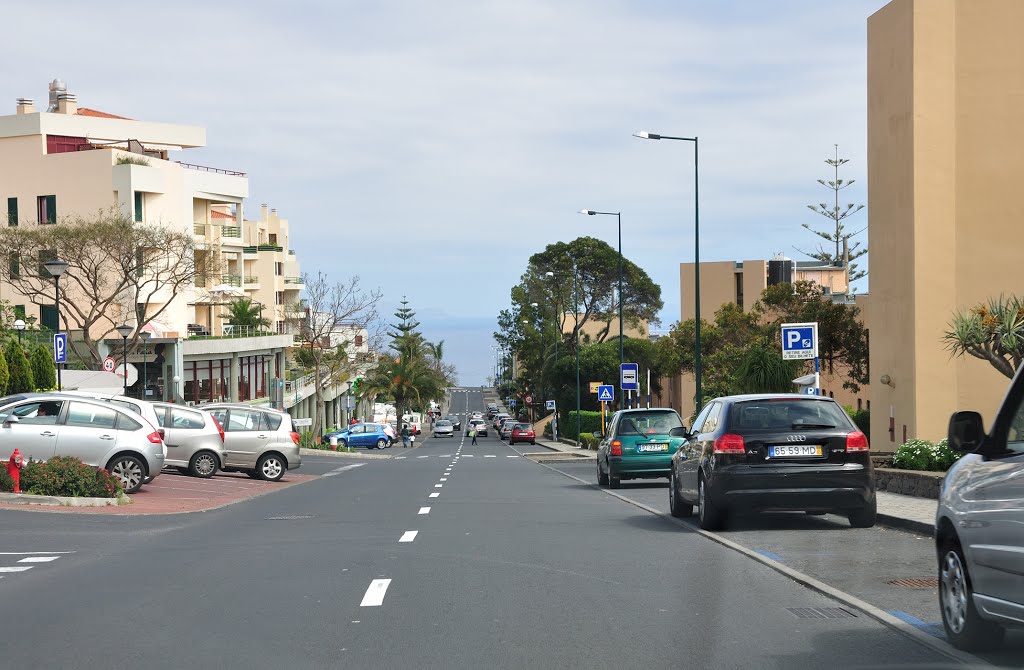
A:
(899, 511)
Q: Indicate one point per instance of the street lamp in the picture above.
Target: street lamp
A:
(622, 333)
(145, 335)
(643, 134)
(56, 268)
(19, 326)
(125, 330)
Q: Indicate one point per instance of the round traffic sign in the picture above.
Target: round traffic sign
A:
(108, 364)
(528, 399)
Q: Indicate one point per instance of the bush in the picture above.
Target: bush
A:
(863, 420)
(20, 380)
(6, 483)
(43, 372)
(67, 476)
(590, 422)
(588, 440)
(924, 455)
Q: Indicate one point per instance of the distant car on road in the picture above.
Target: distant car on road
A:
(444, 428)
(771, 451)
(505, 428)
(456, 421)
(522, 432)
(978, 538)
(480, 425)
(369, 435)
(496, 421)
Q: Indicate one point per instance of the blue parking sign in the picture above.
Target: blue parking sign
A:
(60, 347)
(799, 341)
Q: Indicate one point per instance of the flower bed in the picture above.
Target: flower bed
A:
(64, 476)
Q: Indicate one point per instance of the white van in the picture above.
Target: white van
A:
(414, 420)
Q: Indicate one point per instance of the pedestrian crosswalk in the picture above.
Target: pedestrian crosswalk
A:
(14, 562)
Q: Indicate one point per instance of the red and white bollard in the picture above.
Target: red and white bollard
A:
(14, 466)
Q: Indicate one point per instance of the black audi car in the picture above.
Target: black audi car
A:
(773, 452)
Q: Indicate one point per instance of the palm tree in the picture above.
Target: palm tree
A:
(992, 331)
(763, 370)
(245, 312)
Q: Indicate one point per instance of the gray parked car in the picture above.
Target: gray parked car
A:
(978, 537)
(95, 432)
(194, 439)
(444, 428)
(257, 440)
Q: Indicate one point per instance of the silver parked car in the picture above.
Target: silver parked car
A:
(194, 439)
(95, 432)
(257, 440)
(978, 538)
(444, 428)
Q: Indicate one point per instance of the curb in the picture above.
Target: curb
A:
(906, 524)
(342, 454)
(61, 501)
(881, 616)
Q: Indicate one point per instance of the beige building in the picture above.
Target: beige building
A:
(742, 283)
(944, 165)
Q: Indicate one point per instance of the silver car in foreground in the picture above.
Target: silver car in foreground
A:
(257, 440)
(978, 527)
(444, 428)
(95, 432)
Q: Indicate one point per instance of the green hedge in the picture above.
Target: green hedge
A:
(64, 476)
(924, 455)
(590, 422)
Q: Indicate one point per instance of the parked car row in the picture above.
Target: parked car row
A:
(134, 439)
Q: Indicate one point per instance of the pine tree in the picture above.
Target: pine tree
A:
(5, 374)
(837, 215)
(43, 371)
(21, 380)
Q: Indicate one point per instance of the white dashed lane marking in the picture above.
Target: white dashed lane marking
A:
(338, 471)
(434, 495)
(15, 568)
(408, 536)
(375, 593)
(38, 559)
(424, 510)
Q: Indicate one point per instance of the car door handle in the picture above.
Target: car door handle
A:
(47, 433)
(262, 437)
(106, 437)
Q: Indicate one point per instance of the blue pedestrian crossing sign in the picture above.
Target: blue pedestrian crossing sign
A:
(606, 393)
(60, 347)
(799, 341)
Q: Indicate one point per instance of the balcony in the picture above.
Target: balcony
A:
(294, 280)
(250, 252)
(204, 168)
(252, 282)
(231, 231)
(231, 280)
(199, 229)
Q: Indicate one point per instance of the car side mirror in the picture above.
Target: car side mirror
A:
(679, 432)
(10, 418)
(966, 431)
(598, 434)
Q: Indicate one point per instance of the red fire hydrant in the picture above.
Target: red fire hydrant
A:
(14, 466)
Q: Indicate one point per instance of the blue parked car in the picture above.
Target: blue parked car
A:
(369, 435)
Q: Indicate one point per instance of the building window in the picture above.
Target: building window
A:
(46, 208)
(273, 238)
(860, 404)
(12, 211)
(48, 317)
(19, 312)
(278, 269)
(279, 298)
(739, 289)
(138, 206)
(15, 264)
(45, 255)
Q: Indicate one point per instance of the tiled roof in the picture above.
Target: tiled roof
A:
(85, 111)
(214, 214)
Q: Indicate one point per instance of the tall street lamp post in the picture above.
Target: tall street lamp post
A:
(56, 268)
(643, 134)
(125, 330)
(145, 335)
(622, 334)
(19, 325)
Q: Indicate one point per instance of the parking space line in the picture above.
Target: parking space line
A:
(374, 596)
(38, 559)
(408, 536)
(338, 471)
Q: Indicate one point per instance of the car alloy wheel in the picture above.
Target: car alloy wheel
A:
(953, 592)
(129, 470)
(381, 443)
(964, 626)
(270, 467)
(203, 465)
(710, 518)
(602, 478)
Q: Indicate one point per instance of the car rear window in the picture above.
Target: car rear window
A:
(648, 423)
(271, 421)
(786, 414)
(523, 426)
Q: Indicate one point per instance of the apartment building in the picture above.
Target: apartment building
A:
(67, 160)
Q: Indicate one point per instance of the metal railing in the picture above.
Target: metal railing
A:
(199, 229)
(230, 231)
(293, 280)
(236, 331)
(249, 250)
(232, 280)
(204, 168)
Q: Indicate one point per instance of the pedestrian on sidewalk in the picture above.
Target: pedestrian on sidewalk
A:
(405, 435)
(412, 440)
(472, 434)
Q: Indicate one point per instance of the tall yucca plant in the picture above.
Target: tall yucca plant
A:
(763, 370)
(992, 331)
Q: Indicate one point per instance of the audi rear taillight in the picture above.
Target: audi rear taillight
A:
(220, 429)
(856, 441)
(730, 443)
(295, 437)
(154, 437)
(616, 448)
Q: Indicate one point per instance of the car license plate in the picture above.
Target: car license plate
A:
(652, 447)
(798, 450)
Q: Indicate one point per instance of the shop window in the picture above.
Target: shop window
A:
(46, 208)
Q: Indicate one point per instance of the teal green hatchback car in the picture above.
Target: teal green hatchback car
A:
(639, 445)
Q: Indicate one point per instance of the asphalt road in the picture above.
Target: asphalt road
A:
(445, 556)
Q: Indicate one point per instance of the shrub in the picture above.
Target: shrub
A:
(588, 440)
(67, 476)
(589, 422)
(924, 455)
(43, 371)
(129, 159)
(5, 374)
(20, 380)
(6, 483)
(862, 418)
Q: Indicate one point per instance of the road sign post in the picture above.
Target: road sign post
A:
(60, 348)
(605, 395)
(550, 405)
(629, 381)
(800, 342)
(109, 364)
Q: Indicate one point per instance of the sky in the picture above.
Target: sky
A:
(432, 147)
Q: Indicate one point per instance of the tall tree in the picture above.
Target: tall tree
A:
(837, 214)
(20, 380)
(338, 317)
(114, 266)
(992, 331)
(43, 372)
(5, 374)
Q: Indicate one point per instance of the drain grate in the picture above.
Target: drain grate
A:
(821, 613)
(289, 517)
(916, 583)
